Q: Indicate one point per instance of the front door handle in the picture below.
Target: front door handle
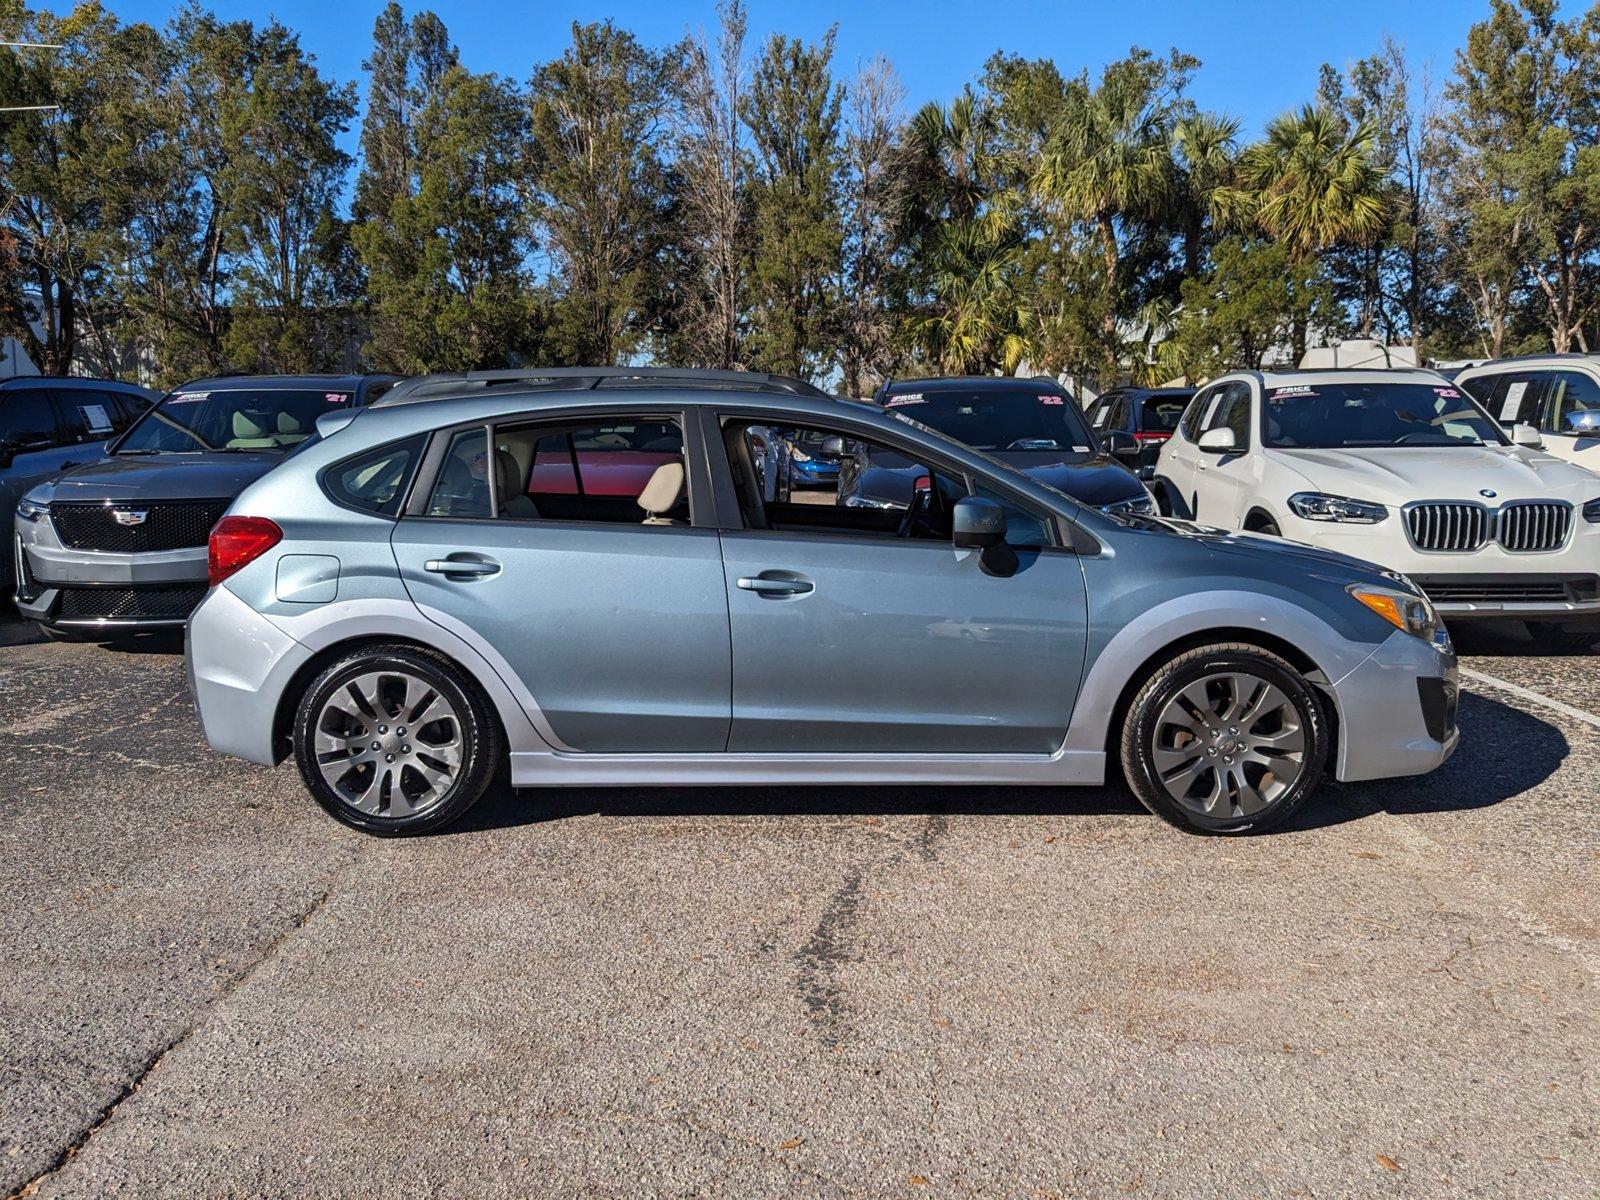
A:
(462, 568)
(776, 583)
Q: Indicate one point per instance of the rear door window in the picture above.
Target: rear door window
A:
(27, 420)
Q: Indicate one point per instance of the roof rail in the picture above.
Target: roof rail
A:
(464, 383)
(1565, 354)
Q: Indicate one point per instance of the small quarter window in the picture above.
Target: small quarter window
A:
(376, 481)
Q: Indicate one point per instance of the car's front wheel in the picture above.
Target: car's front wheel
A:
(1227, 738)
(395, 740)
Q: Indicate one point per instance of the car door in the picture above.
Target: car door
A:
(1180, 459)
(614, 618)
(1225, 482)
(863, 630)
(1569, 417)
(34, 444)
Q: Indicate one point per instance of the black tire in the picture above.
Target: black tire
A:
(1563, 637)
(481, 744)
(1267, 526)
(1142, 723)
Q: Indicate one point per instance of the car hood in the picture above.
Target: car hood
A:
(165, 476)
(1326, 563)
(1092, 479)
(1397, 475)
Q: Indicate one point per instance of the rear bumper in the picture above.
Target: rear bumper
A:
(239, 664)
(1397, 711)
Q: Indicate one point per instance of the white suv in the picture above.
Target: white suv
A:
(1558, 394)
(1404, 469)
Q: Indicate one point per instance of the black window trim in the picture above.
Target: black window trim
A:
(415, 507)
(406, 488)
(1068, 537)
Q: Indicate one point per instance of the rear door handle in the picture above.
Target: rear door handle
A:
(775, 583)
(462, 568)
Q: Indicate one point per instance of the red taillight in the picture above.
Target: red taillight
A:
(1152, 435)
(236, 542)
(924, 483)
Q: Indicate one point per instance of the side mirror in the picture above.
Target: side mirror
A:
(834, 446)
(977, 523)
(1218, 441)
(1526, 436)
(1119, 443)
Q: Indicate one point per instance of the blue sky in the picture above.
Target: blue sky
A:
(1260, 57)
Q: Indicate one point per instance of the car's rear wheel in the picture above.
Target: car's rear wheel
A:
(395, 740)
(1226, 738)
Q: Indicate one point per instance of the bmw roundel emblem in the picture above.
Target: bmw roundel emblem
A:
(1488, 493)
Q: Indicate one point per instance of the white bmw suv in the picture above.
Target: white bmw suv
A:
(1404, 469)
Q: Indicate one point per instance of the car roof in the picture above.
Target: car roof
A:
(383, 421)
(953, 383)
(220, 383)
(577, 379)
(1531, 360)
(1340, 375)
(70, 381)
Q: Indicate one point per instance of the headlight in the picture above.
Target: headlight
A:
(866, 502)
(1591, 511)
(1319, 506)
(31, 510)
(1413, 614)
(798, 454)
(1133, 506)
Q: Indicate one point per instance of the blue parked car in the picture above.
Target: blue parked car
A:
(434, 593)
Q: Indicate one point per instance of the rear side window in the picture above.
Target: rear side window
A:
(1161, 414)
(27, 419)
(375, 481)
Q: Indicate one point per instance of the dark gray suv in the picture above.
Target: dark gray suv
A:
(118, 544)
(49, 424)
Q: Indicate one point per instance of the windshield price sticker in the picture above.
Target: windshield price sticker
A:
(94, 415)
(336, 397)
(1297, 389)
(1051, 400)
(1513, 401)
(1447, 393)
(902, 401)
(188, 397)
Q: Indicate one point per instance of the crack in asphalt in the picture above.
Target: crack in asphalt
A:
(133, 1086)
(828, 947)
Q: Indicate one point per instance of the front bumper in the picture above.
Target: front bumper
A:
(1397, 711)
(813, 472)
(88, 591)
(1560, 585)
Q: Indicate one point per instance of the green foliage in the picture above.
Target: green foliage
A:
(183, 210)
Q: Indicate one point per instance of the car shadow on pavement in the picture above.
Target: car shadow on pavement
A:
(1504, 752)
(1479, 775)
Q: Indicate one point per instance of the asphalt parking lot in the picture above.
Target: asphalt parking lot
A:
(216, 990)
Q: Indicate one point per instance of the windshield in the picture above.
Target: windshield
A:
(1325, 416)
(252, 419)
(998, 419)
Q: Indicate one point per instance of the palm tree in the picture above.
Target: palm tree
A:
(1205, 150)
(1314, 185)
(976, 320)
(1107, 160)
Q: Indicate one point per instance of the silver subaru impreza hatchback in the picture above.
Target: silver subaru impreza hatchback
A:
(577, 578)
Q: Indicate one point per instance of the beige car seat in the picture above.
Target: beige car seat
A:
(514, 502)
(664, 492)
(290, 431)
(250, 435)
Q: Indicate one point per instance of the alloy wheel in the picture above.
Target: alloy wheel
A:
(1228, 745)
(389, 744)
